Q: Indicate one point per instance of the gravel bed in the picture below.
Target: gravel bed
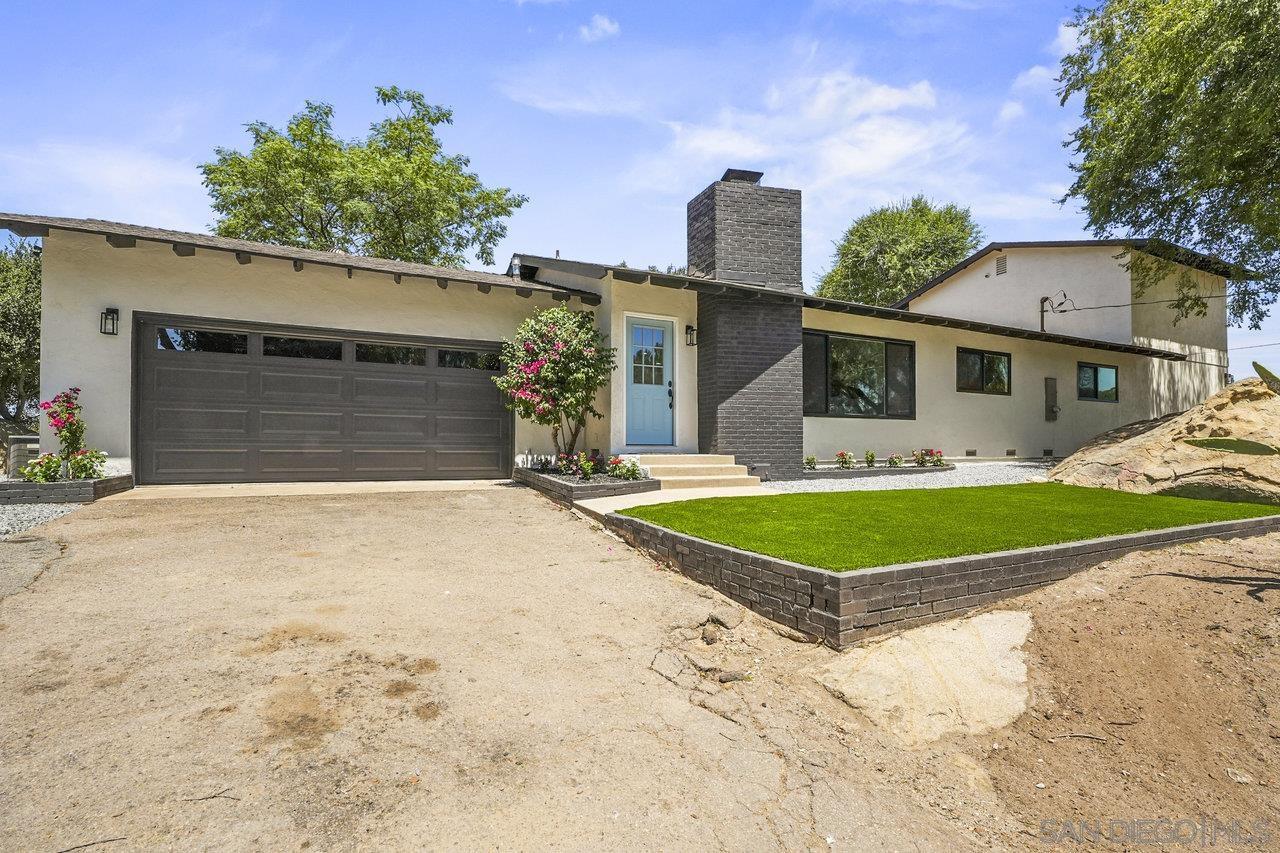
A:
(966, 474)
(15, 518)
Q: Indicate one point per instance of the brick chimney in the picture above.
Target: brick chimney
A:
(741, 231)
(750, 384)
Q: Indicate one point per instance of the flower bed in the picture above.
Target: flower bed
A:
(838, 473)
(567, 489)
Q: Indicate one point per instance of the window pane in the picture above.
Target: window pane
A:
(900, 380)
(995, 373)
(302, 348)
(471, 359)
(1086, 382)
(1107, 384)
(857, 376)
(391, 354)
(815, 374)
(198, 340)
(968, 370)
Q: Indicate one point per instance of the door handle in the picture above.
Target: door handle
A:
(671, 396)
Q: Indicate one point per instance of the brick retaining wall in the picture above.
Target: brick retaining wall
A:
(62, 492)
(843, 608)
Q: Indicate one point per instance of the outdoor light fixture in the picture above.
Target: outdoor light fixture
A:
(691, 336)
(109, 324)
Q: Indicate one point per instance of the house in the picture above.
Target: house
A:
(204, 359)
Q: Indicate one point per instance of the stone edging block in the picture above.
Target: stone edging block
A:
(63, 491)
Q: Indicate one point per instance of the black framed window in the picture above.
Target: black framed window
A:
(983, 372)
(472, 359)
(391, 354)
(1099, 382)
(302, 348)
(858, 377)
(200, 340)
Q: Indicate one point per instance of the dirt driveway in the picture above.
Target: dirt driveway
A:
(480, 670)
(447, 670)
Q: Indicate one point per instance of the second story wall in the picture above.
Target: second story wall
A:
(1201, 338)
(1090, 276)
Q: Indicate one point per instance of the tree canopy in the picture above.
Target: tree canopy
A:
(19, 332)
(394, 194)
(894, 249)
(1179, 137)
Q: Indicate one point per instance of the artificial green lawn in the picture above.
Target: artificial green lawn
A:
(842, 531)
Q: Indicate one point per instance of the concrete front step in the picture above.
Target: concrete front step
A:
(662, 471)
(711, 482)
(648, 459)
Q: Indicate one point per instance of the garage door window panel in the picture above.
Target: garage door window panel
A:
(394, 354)
(311, 348)
(175, 339)
(468, 359)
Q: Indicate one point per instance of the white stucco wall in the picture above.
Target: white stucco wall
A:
(1202, 339)
(1091, 276)
(956, 421)
(83, 275)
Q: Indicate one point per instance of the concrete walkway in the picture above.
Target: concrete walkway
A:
(272, 490)
(600, 507)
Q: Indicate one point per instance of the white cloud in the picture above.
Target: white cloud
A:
(1010, 111)
(1037, 78)
(103, 182)
(837, 132)
(598, 28)
(1066, 41)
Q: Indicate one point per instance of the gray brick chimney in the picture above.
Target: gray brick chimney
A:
(741, 231)
(750, 389)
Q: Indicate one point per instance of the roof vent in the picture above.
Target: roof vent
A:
(745, 176)
(1002, 265)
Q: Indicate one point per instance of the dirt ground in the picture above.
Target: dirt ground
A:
(481, 670)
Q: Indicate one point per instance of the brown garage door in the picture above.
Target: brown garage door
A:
(220, 402)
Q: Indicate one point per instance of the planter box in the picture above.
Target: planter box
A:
(844, 608)
(568, 493)
(63, 492)
(886, 471)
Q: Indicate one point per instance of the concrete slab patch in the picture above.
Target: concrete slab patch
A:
(967, 676)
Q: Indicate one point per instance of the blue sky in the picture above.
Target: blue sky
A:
(608, 115)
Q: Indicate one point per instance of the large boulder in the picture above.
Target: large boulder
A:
(1169, 456)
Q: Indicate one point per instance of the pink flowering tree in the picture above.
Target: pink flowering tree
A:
(63, 412)
(552, 370)
(73, 460)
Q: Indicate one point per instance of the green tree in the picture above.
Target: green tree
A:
(1179, 137)
(894, 249)
(394, 194)
(19, 332)
(552, 370)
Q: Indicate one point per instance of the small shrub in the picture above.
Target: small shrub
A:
(811, 463)
(870, 457)
(895, 460)
(86, 464)
(844, 459)
(586, 465)
(42, 469)
(927, 457)
(624, 470)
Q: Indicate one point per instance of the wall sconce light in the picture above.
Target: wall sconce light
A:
(691, 336)
(109, 324)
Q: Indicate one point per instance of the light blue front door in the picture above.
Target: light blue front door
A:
(650, 389)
